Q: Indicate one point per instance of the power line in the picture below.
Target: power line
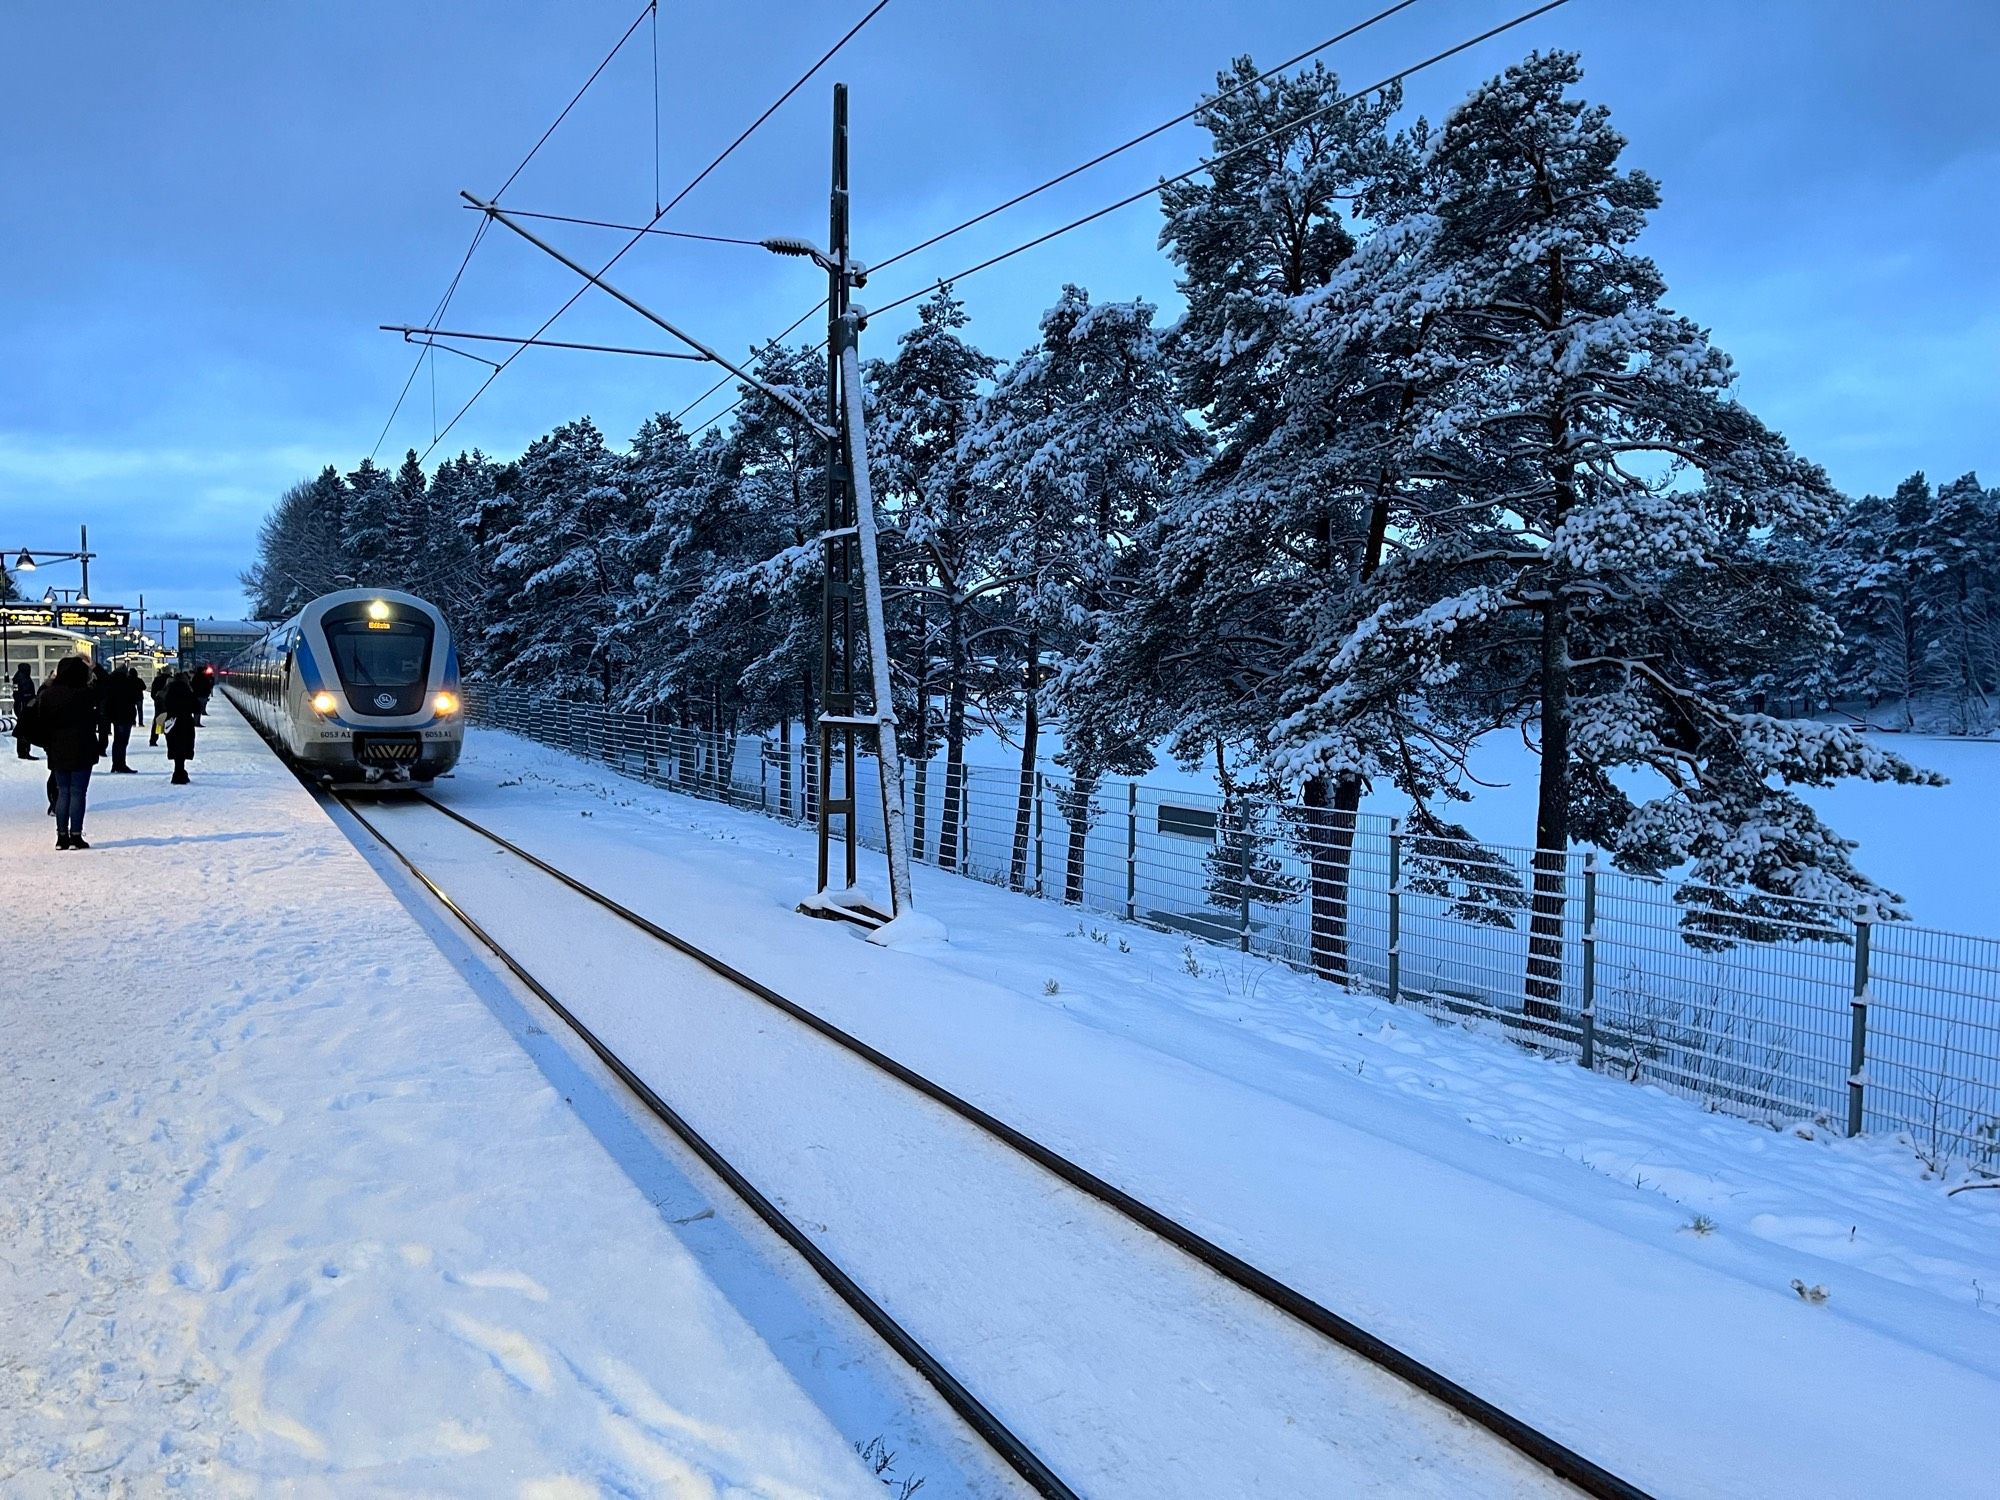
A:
(1165, 125)
(672, 234)
(1206, 164)
(727, 151)
(1210, 163)
(1208, 102)
(479, 232)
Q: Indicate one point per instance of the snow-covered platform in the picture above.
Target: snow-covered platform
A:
(1705, 1305)
(296, 1197)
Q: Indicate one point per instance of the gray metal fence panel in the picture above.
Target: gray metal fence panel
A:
(1764, 1018)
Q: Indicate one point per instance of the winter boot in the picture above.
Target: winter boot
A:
(62, 841)
(76, 841)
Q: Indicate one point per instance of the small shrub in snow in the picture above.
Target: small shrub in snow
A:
(1700, 1224)
(1051, 987)
(1123, 946)
(1813, 1294)
(1190, 962)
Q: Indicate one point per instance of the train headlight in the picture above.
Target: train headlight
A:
(324, 703)
(445, 703)
(378, 610)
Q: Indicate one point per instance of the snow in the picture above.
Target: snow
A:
(1603, 1259)
(296, 1197)
(1130, 1368)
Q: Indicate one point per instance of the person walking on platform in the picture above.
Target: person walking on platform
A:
(100, 697)
(24, 710)
(125, 694)
(66, 728)
(159, 695)
(181, 703)
(204, 685)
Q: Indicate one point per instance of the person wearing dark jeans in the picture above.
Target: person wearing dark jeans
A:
(181, 704)
(66, 724)
(124, 693)
(24, 710)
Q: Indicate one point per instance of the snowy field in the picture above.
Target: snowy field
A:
(296, 1199)
(1609, 1262)
(1931, 845)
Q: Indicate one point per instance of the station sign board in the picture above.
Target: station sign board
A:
(67, 616)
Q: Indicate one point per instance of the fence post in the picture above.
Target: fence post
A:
(763, 777)
(1857, 1047)
(1589, 1057)
(1395, 910)
(1131, 850)
(1038, 833)
(1243, 885)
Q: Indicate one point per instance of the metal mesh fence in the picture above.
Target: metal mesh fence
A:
(1766, 1007)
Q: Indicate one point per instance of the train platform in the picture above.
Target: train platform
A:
(297, 1196)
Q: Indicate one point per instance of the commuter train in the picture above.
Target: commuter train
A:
(359, 688)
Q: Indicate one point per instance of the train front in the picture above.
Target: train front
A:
(379, 679)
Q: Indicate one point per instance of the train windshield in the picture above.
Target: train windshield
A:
(383, 659)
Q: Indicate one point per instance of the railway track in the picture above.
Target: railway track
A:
(1556, 1458)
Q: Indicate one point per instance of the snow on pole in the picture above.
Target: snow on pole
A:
(895, 826)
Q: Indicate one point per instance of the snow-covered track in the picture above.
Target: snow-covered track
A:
(995, 1433)
(1558, 1458)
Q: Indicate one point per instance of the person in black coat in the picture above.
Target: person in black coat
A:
(124, 694)
(159, 695)
(24, 710)
(100, 697)
(180, 704)
(66, 728)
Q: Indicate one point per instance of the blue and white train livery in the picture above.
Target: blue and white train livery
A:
(359, 688)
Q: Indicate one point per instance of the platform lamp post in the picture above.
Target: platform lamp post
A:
(29, 560)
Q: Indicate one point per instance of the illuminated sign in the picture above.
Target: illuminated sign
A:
(67, 616)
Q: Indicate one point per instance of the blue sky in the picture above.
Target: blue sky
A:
(209, 207)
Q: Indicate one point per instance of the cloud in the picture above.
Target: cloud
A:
(28, 459)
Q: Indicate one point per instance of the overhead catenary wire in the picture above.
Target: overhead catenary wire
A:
(701, 176)
(1206, 164)
(672, 234)
(1209, 163)
(479, 232)
(1208, 102)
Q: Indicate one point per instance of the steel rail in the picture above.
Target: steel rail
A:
(1557, 1457)
(996, 1434)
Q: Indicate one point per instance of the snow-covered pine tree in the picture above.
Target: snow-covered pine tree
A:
(1956, 553)
(299, 551)
(748, 637)
(564, 547)
(409, 527)
(460, 489)
(366, 524)
(925, 398)
(1271, 532)
(1074, 453)
(1626, 579)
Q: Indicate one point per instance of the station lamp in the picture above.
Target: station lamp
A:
(24, 563)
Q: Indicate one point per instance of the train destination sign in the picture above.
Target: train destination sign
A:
(67, 616)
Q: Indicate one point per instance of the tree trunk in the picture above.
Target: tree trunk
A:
(784, 762)
(1075, 805)
(951, 829)
(1332, 808)
(1024, 808)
